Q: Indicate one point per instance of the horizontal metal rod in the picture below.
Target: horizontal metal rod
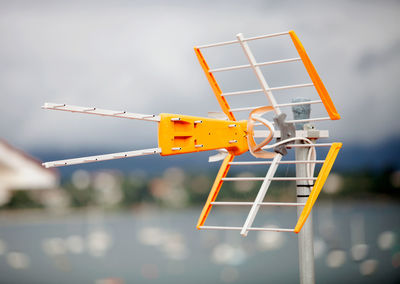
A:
(270, 162)
(102, 112)
(270, 89)
(299, 133)
(292, 87)
(289, 121)
(243, 178)
(237, 67)
(217, 44)
(227, 94)
(262, 178)
(245, 39)
(249, 229)
(244, 108)
(99, 158)
(300, 103)
(262, 203)
(285, 105)
(304, 145)
(293, 178)
(309, 145)
(278, 61)
(215, 70)
(265, 36)
(309, 119)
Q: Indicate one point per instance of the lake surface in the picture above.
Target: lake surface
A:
(354, 242)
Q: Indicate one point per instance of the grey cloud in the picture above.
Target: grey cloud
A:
(373, 59)
(138, 56)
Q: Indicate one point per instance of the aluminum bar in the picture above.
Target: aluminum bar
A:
(270, 162)
(265, 36)
(292, 87)
(270, 89)
(226, 203)
(299, 133)
(244, 108)
(300, 103)
(309, 145)
(309, 119)
(248, 229)
(237, 67)
(261, 194)
(263, 178)
(258, 73)
(99, 158)
(102, 112)
(244, 39)
(286, 105)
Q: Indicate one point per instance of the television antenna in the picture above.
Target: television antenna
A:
(181, 134)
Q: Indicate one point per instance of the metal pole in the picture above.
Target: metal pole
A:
(305, 237)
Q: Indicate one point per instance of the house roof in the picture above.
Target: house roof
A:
(19, 170)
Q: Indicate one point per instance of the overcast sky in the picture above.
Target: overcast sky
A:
(138, 56)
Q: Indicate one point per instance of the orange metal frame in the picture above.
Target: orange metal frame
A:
(319, 183)
(319, 86)
(329, 160)
(214, 85)
(223, 171)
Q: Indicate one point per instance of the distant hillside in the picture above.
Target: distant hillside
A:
(375, 157)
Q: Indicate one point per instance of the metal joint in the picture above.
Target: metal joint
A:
(287, 131)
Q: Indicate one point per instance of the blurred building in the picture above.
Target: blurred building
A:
(19, 171)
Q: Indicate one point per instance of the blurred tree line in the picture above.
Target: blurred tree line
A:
(193, 189)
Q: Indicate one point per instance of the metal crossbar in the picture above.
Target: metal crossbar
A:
(246, 163)
(244, 108)
(242, 92)
(309, 119)
(237, 67)
(270, 89)
(263, 178)
(292, 86)
(262, 203)
(301, 103)
(261, 194)
(102, 112)
(299, 120)
(299, 133)
(278, 105)
(244, 39)
(105, 157)
(248, 229)
(309, 145)
(258, 73)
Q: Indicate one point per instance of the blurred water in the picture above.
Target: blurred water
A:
(162, 246)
